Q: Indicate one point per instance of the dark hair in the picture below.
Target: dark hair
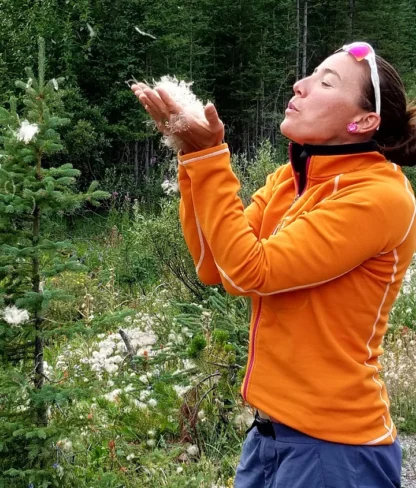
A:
(396, 137)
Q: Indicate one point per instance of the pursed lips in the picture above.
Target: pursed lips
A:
(291, 106)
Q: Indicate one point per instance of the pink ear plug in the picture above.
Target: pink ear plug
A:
(352, 127)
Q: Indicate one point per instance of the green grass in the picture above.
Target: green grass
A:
(125, 440)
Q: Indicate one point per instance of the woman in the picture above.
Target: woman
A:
(321, 251)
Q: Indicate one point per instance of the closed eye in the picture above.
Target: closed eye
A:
(323, 83)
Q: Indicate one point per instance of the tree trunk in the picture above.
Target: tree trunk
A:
(297, 37)
(305, 38)
(262, 112)
(136, 162)
(40, 411)
(147, 159)
(351, 18)
(191, 44)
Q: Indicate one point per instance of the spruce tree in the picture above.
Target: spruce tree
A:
(31, 191)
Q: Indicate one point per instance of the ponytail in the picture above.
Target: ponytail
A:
(403, 152)
(396, 137)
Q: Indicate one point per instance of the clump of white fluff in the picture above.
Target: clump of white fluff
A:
(181, 93)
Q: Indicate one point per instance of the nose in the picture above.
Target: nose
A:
(299, 87)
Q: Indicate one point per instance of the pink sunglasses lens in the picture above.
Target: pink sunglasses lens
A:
(359, 52)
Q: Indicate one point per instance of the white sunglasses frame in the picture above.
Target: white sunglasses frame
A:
(371, 59)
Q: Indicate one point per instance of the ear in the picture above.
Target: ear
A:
(368, 123)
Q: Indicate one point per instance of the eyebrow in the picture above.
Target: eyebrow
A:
(330, 71)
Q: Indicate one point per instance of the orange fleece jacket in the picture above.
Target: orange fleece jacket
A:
(322, 269)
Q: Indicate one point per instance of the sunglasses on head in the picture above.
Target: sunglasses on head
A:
(360, 51)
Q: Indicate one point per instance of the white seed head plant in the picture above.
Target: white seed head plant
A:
(14, 316)
(193, 450)
(181, 93)
(27, 131)
(170, 187)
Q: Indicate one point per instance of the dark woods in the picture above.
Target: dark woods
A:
(243, 55)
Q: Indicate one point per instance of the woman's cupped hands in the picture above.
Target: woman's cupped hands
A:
(191, 131)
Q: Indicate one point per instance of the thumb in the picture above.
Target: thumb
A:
(211, 115)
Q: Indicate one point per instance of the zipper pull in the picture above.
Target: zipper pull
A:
(294, 201)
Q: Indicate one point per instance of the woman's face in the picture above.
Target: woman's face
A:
(325, 102)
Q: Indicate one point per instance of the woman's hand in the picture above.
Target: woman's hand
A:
(192, 132)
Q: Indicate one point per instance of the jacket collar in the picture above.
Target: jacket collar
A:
(317, 163)
(340, 149)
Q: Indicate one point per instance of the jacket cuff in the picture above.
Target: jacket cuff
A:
(202, 155)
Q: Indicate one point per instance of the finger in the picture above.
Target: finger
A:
(138, 93)
(159, 119)
(136, 90)
(215, 123)
(151, 108)
(211, 115)
(155, 99)
(172, 106)
(161, 125)
(138, 87)
(148, 106)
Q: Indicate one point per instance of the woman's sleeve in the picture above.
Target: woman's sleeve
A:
(197, 244)
(198, 247)
(314, 249)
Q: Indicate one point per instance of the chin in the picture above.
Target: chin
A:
(288, 130)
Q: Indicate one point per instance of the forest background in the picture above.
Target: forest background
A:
(242, 55)
(124, 370)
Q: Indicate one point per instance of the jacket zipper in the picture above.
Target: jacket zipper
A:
(300, 193)
(256, 322)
